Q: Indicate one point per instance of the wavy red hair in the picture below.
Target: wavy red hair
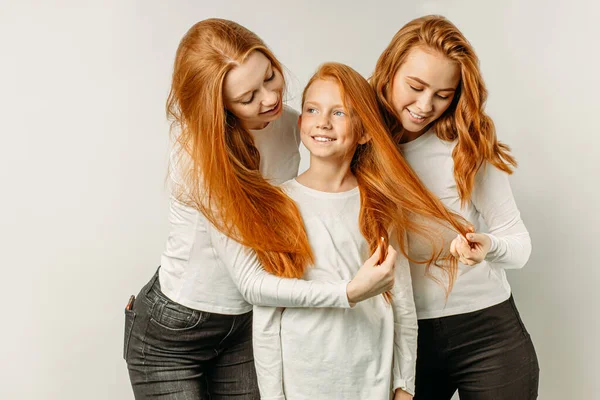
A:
(391, 193)
(465, 119)
(217, 160)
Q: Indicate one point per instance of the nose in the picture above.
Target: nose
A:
(323, 122)
(270, 98)
(425, 103)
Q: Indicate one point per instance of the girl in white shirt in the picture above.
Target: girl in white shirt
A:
(188, 332)
(432, 94)
(357, 189)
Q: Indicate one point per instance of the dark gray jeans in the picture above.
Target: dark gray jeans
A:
(176, 353)
(485, 355)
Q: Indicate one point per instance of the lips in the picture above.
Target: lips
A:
(323, 139)
(416, 118)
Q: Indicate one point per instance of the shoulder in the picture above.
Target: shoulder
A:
(289, 187)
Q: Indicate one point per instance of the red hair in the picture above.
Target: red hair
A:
(391, 193)
(217, 159)
(465, 119)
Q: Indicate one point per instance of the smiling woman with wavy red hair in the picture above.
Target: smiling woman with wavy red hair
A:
(432, 94)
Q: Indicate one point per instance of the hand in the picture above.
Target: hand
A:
(402, 395)
(473, 251)
(372, 279)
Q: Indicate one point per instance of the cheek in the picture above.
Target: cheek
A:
(277, 83)
(244, 112)
(442, 107)
(400, 99)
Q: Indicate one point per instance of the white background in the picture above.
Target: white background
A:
(84, 143)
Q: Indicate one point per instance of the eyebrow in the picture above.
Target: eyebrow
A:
(241, 96)
(314, 103)
(414, 78)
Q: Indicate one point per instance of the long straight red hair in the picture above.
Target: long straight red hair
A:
(393, 199)
(217, 161)
(465, 119)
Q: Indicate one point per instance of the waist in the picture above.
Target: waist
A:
(475, 288)
(205, 287)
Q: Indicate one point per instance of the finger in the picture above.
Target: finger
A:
(375, 256)
(453, 248)
(392, 254)
(462, 247)
(475, 237)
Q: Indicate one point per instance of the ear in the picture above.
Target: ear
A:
(364, 138)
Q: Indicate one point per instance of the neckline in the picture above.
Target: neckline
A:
(319, 193)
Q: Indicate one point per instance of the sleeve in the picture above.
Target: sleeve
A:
(266, 340)
(493, 199)
(405, 329)
(260, 288)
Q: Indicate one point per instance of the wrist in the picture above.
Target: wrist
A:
(351, 293)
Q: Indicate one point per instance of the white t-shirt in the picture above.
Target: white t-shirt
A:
(204, 270)
(485, 284)
(361, 353)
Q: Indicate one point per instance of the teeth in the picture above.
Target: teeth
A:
(322, 139)
(415, 115)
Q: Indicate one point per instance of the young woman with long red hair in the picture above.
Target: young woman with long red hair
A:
(432, 95)
(188, 332)
(357, 190)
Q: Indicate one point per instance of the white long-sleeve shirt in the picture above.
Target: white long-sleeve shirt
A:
(362, 353)
(204, 270)
(485, 284)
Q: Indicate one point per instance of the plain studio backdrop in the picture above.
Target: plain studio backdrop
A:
(84, 143)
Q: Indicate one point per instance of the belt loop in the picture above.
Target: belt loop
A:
(151, 283)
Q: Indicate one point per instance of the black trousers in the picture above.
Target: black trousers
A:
(485, 355)
(176, 353)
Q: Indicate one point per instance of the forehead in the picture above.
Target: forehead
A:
(432, 67)
(324, 91)
(246, 76)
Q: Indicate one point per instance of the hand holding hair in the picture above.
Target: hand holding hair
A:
(373, 278)
(472, 250)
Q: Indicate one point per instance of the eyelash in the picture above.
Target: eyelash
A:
(269, 79)
(310, 111)
(420, 90)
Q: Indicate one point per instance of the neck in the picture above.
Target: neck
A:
(326, 175)
(256, 126)
(407, 136)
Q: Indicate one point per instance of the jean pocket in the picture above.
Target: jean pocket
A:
(129, 319)
(176, 317)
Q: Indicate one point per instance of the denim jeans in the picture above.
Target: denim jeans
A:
(485, 355)
(176, 353)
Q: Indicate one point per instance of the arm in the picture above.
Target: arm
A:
(266, 340)
(405, 332)
(260, 288)
(510, 244)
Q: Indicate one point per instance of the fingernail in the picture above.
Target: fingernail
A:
(470, 236)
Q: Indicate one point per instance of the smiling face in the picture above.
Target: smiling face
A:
(253, 91)
(325, 123)
(423, 89)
